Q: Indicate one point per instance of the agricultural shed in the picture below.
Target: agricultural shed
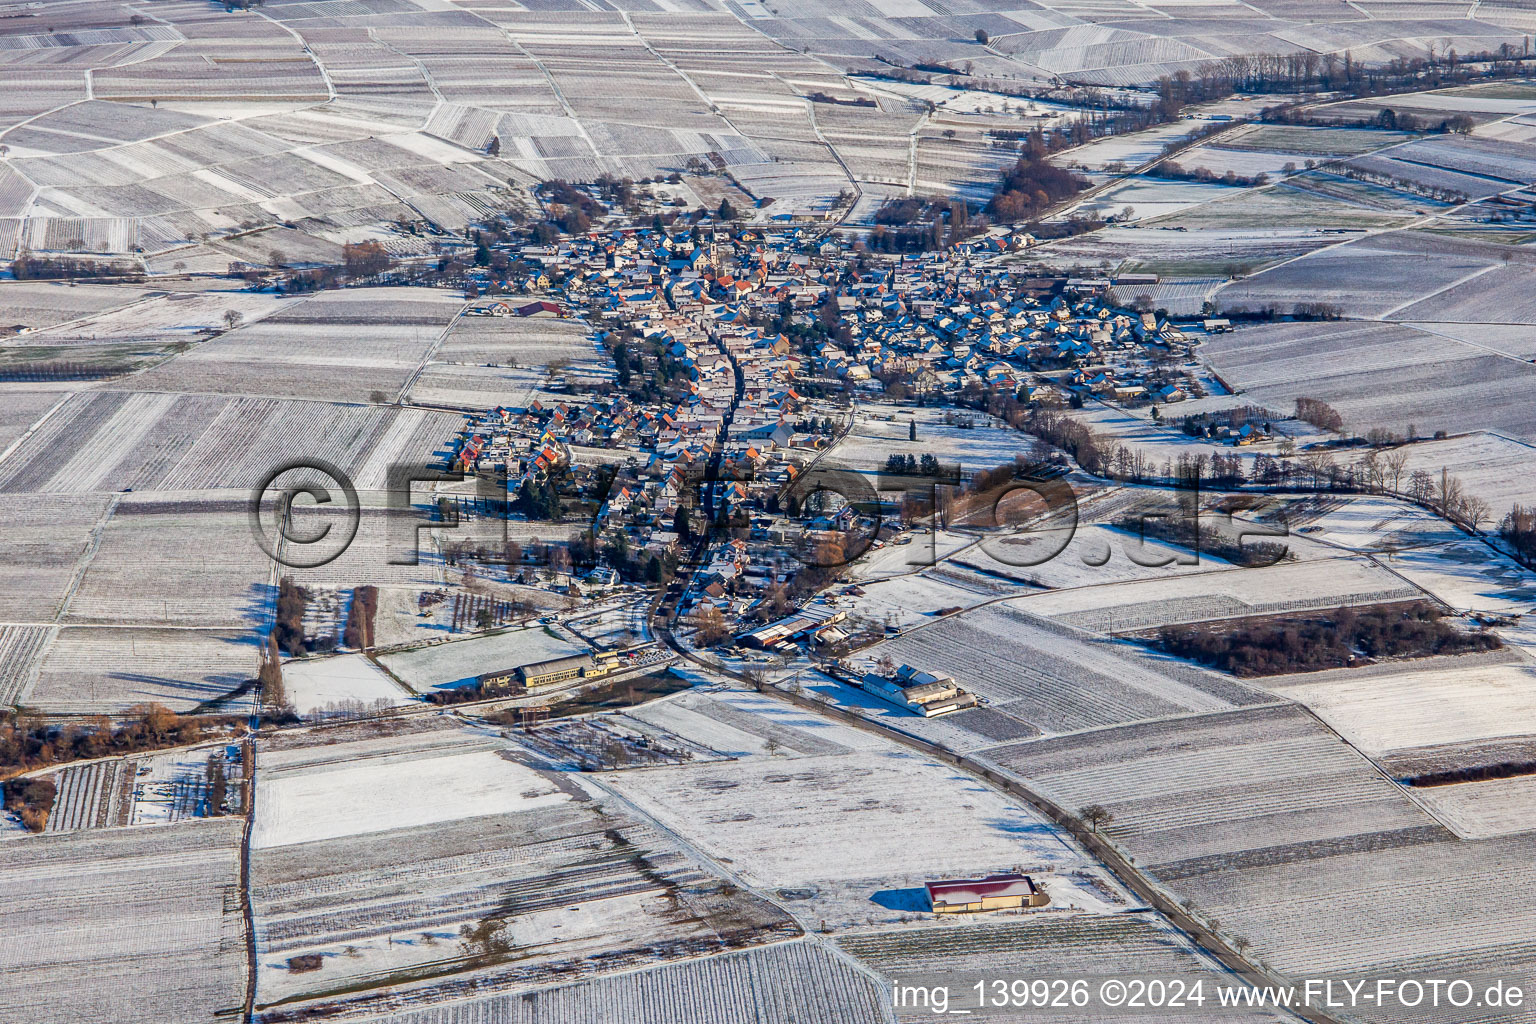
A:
(995, 892)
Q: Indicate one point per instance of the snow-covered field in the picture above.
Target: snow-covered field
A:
(314, 685)
(1054, 946)
(1364, 523)
(459, 662)
(1096, 555)
(1168, 598)
(854, 828)
(1376, 375)
(1470, 577)
(1130, 150)
(1261, 818)
(1481, 810)
(326, 801)
(85, 913)
(1490, 466)
(1153, 197)
(743, 724)
(1053, 677)
(880, 431)
(375, 842)
(1424, 704)
(91, 670)
(907, 601)
(805, 982)
(922, 550)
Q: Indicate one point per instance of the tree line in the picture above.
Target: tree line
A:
(27, 743)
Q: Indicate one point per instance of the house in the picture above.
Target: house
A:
(995, 892)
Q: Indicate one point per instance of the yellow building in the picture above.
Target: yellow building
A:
(995, 892)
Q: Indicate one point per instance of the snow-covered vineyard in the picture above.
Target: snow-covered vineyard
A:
(1177, 622)
(165, 896)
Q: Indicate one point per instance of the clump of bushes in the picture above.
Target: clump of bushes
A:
(305, 962)
(1473, 773)
(31, 799)
(1334, 639)
(27, 743)
(292, 600)
(1187, 532)
(360, 615)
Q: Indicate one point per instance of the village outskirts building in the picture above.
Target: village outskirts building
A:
(975, 895)
(547, 675)
(919, 692)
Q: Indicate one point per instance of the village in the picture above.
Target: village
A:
(689, 514)
(743, 356)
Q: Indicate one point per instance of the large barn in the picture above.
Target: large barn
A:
(995, 892)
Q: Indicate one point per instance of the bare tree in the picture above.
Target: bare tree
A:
(1421, 486)
(711, 625)
(487, 938)
(1369, 471)
(1475, 511)
(233, 318)
(270, 675)
(1448, 495)
(1096, 815)
(1319, 465)
(1393, 463)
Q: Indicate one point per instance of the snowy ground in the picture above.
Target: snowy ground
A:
(1481, 810)
(459, 662)
(1425, 704)
(906, 601)
(300, 806)
(880, 431)
(318, 685)
(1490, 466)
(172, 786)
(860, 830)
(1095, 555)
(923, 548)
(1165, 598)
(1370, 523)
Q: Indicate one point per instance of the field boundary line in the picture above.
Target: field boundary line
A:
(87, 556)
(807, 934)
(402, 396)
(1096, 845)
(11, 450)
(247, 904)
(1444, 288)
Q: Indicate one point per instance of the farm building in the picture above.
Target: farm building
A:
(540, 308)
(919, 692)
(806, 622)
(995, 892)
(544, 675)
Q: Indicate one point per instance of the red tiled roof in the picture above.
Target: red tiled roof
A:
(974, 890)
